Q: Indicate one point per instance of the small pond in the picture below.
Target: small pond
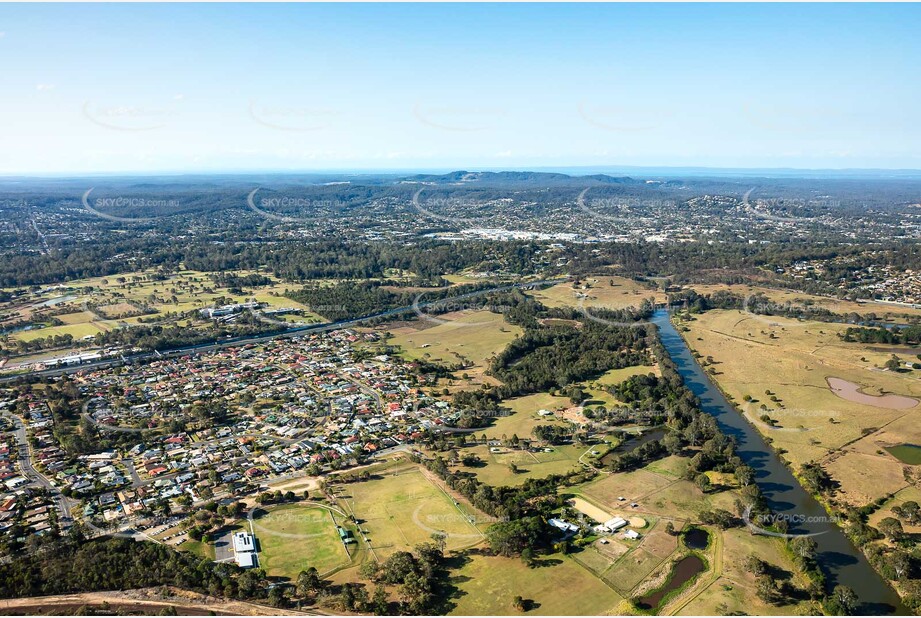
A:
(696, 538)
(684, 571)
(906, 453)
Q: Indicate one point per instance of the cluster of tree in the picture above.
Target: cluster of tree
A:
(815, 478)
(909, 335)
(517, 537)
(420, 575)
(235, 283)
(71, 565)
(552, 434)
(554, 357)
(348, 300)
(533, 497)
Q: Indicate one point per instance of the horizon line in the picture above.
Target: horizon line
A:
(584, 169)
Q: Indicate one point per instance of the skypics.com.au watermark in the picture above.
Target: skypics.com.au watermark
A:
(451, 203)
(781, 419)
(627, 208)
(762, 523)
(132, 118)
(265, 207)
(125, 202)
(453, 306)
(294, 118)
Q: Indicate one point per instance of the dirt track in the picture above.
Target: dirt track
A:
(145, 600)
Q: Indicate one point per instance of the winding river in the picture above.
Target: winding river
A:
(841, 561)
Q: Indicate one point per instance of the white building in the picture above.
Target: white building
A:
(615, 524)
(244, 549)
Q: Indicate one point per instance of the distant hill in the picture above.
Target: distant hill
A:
(496, 178)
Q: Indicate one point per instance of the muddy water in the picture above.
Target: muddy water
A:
(684, 570)
(851, 392)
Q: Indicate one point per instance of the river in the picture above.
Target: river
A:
(841, 561)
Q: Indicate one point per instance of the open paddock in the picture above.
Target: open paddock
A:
(397, 511)
(786, 369)
(487, 585)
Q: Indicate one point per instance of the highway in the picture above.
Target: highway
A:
(416, 307)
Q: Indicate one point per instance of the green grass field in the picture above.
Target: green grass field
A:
(525, 417)
(398, 512)
(77, 331)
(487, 585)
(294, 537)
(599, 293)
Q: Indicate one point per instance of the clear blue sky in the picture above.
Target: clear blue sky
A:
(113, 88)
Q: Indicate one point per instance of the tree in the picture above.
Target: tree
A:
(277, 597)
(804, 547)
(703, 482)
(440, 540)
(510, 538)
(745, 475)
(900, 562)
(718, 517)
(518, 604)
(767, 589)
(842, 602)
(892, 528)
(755, 565)
(670, 528)
(308, 582)
(380, 602)
(909, 511)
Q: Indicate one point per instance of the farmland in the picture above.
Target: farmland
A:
(786, 367)
(496, 467)
(486, 585)
(663, 496)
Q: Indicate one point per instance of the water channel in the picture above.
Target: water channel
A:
(841, 561)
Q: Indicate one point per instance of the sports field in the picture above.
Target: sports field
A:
(293, 537)
(397, 511)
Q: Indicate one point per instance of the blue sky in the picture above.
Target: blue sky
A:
(125, 88)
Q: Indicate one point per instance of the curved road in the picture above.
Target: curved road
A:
(293, 332)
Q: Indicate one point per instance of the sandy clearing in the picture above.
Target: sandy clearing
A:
(591, 510)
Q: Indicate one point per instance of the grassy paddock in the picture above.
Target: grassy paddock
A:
(487, 585)
(811, 422)
(399, 511)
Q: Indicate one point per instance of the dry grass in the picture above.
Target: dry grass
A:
(598, 293)
(792, 359)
